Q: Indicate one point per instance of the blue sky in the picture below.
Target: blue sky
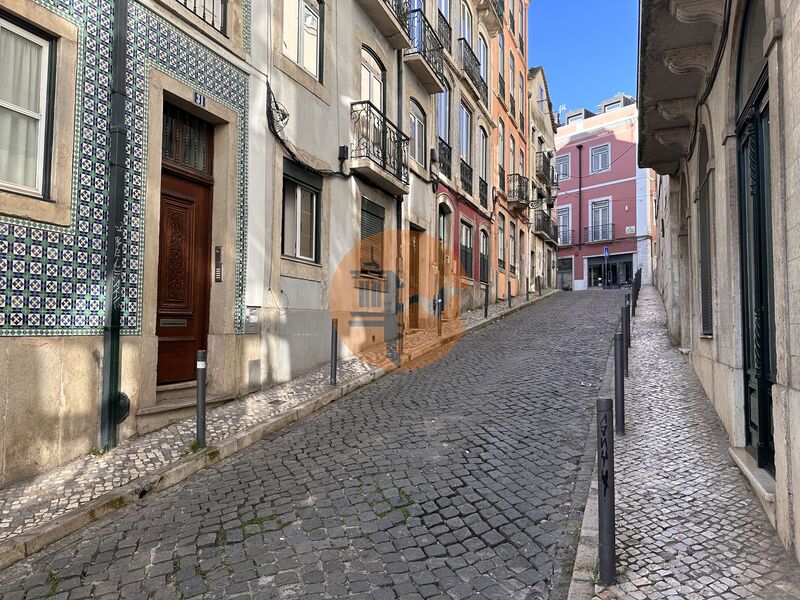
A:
(588, 48)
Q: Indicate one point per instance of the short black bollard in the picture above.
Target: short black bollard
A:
(201, 399)
(508, 293)
(527, 289)
(334, 349)
(605, 492)
(486, 302)
(439, 316)
(626, 330)
(619, 383)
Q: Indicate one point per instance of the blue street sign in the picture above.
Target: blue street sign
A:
(605, 251)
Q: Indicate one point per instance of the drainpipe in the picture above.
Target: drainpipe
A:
(580, 194)
(399, 208)
(115, 406)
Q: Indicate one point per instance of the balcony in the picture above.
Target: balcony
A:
(519, 189)
(380, 150)
(544, 168)
(599, 233)
(491, 14)
(521, 42)
(212, 12)
(425, 57)
(565, 237)
(466, 177)
(472, 68)
(501, 88)
(545, 227)
(502, 173)
(391, 19)
(483, 192)
(445, 159)
(512, 106)
(445, 32)
(511, 22)
(521, 120)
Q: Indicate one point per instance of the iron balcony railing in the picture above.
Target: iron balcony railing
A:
(518, 188)
(484, 268)
(499, 6)
(521, 42)
(502, 173)
(445, 32)
(511, 22)
(483, 192)
(565, 236)
(501, 87)
(599, 233)
(472, 68)
(512, 106)
(544, 167)
(379, 140)
(513, 269)
(521, 118)
(425, 42)
(542, 223)
(212, 12)
(400, 8)
(445, 159)
(466, 176)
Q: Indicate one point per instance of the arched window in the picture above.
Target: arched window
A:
(443, 114)
(483, 57)
(466, 23)
(373, 79)
(705, 238)
(501, 55)
(416, 118)
(483, 250)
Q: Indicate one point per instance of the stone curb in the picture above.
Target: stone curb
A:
(26, 544)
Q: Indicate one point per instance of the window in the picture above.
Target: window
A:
(600, 220)
(443, 114)
(564, 235)
(512, 247)
(501, 145)
(466, 254)
(466, 135)
(601, 158)
(501, 241)
(417, 130)
(466, 23)
(562, 167)
(444, 8)
(706, 293)
(483, 154)
(483, 250)
(521, 106)
(612, 106)
(24, 126)
(574, 118)
(521, 250)
(512, 151)
(511, 75)
(301, 191)
(301, 33)
(483, 58)
(500, 55)
(541, 99)
(373, 77)
(521, 162)
(372, 218)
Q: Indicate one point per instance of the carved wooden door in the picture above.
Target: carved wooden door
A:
(184, 276)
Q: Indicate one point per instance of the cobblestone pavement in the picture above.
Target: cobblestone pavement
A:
(34, 502)
(456, 480)
(688, 525)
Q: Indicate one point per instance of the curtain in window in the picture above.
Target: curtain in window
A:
(20, 87)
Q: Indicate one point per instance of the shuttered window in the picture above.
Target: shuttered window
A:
(466, 254)
(372, 219)
(706, 295)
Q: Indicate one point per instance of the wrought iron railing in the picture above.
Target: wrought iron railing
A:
(544, 167)
(513, 269)
(518, 188)
(466, 176)
(521, 118)
(511, 22)
(502, 173)
(500, 8)
(472, 68)
(512, 105)
(425, 42)
(212, 12)
(445, 32)
(565, 236)
(379, 140)
(521, 42)
(501, 87)
(483, 192)
(599, 233)
(400, 8)
(542, 223)
(445, 159)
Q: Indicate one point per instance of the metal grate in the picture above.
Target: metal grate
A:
(185, 140)
(706, 296)
(212, 12)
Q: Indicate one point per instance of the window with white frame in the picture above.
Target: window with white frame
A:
(24, 89)
(541, 99)
(601, 158)
(521, 162)
(521, 86)
(512, 150)
(501, 241)
(301, 33)
(562, 167)
(466, 23)
(501, 57)
(466, 244)
(416, 128)
(443, 114)
(300, 213)
(483, 58)
(600, 220)
(501, 145)
(512, 247)
(564, 234)
(483, 154)
(466, 135)
(510, 74)
(612, 106)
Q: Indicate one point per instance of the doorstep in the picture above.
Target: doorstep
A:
(761, 481)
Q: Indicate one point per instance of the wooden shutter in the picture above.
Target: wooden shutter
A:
(372, 219)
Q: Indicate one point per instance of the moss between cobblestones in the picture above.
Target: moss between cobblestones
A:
(53, 579)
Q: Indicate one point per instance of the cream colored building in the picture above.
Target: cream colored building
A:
(718, 120)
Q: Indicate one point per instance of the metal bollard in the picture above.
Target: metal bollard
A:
(527, 289)
(334, 349)
(626, 331)
(605, 492)
(508, 293)
(439, 316)
(486, 302)
(620, 367)
(201, 398)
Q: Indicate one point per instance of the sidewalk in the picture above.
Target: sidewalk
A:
(39, 511)
(688, 525)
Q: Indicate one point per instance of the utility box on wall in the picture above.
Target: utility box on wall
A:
(252, 324)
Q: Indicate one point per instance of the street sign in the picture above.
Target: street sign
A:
(605, 251)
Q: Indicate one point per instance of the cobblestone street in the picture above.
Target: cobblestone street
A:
(456, 480)
(688, 526)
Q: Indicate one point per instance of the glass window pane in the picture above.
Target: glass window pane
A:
(20, 71)
(289, 218)
(19, 148)
(310, 50)
(307, 218)
(291, 22)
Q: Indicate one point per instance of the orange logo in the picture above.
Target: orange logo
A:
(392, 293)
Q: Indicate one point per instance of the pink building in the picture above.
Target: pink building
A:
(605, 206)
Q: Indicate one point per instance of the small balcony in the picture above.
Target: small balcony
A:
(501, 88)
(472, 68)
(391, 19)
(445, 32)
(502, 173)
(565, 237)
(511, 22)
(599, 233)
(512, 106)
(445, 159)
(545, 227)
(380, 150)
(491, 15)
(211, 12)
(521, 42)
(544, 168)
(425, 57)
(483, 192)
(466, 177)
(519, 189)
